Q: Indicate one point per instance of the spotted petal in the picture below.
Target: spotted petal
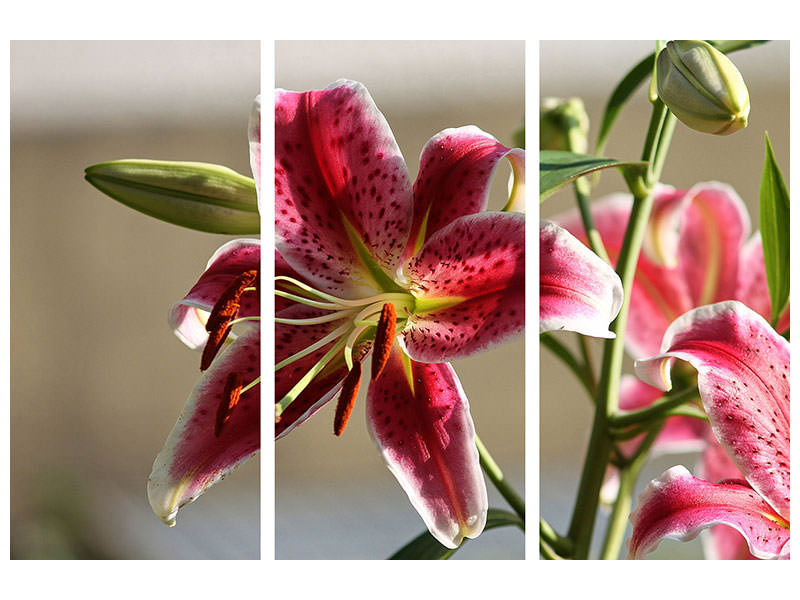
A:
(455, 170)
(194, 458)
(678, 506)
(341, 186)
(743, 370)
(578, 291)
(419, 417)
(188, 317)
(471, 277)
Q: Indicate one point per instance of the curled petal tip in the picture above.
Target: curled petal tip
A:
(578, 291)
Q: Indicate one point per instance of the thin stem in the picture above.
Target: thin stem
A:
(655, 411)
(600, 443)
(546, 552)
(618, 521)
(566, 356)
(495, 475)
(588, 367)
(561, 545)
(582, 189)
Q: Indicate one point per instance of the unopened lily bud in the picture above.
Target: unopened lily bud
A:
(702, 87)
(563, 125)
(196, 195)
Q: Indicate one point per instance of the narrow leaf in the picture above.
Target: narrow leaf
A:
(425, 546)
(557, 168)
(774, 223)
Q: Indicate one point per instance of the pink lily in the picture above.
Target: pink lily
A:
(694, 254)
(419, 276)
(219, 426)
(577, 290)
(743, 368)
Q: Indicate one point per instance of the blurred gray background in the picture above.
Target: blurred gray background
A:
(334, 496)
(591, 70)
(97, 377)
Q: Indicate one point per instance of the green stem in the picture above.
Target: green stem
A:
(495, 475)
(582, 189)
(588, 367)
(568, 358)
(628, 474)
(655, 411)
(600, 442)
(559, 544)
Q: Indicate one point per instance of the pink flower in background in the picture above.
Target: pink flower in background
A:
(418, 275)
(219, 426)
(743, 379)
(696, 252)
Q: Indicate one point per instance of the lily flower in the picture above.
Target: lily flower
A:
(695, 252)
(219, 426)
(417, 275)
(578, 291)
(743, 370)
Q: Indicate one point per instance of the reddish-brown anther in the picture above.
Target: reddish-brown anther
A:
(230, 398)
(384, 339)
(225, 311)
(347, 399)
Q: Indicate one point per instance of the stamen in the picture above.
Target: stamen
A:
(216, 338)
(298, 388)
(227, 306)
(320, 343)
(347, 399)
(384, 339)
(224, 312)
(230, 398)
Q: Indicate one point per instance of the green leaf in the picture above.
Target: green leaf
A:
(774, 224)
(636, 76)
(425, 546)
(557, 168)
(200, 196)
(620, 96)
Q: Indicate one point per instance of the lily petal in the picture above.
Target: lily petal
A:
(678, 506)
(419, 417)
(254, 135)
(714, 226)
(721, 542)
(188, 317)
(455, 169)
(743, 370)
(578, 291)
(472, 275)
(751, 287)
(690, 254)
(338, 167)
(194, 458)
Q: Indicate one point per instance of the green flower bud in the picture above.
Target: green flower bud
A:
(196, 195)
(563, 125)
(702, 87)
